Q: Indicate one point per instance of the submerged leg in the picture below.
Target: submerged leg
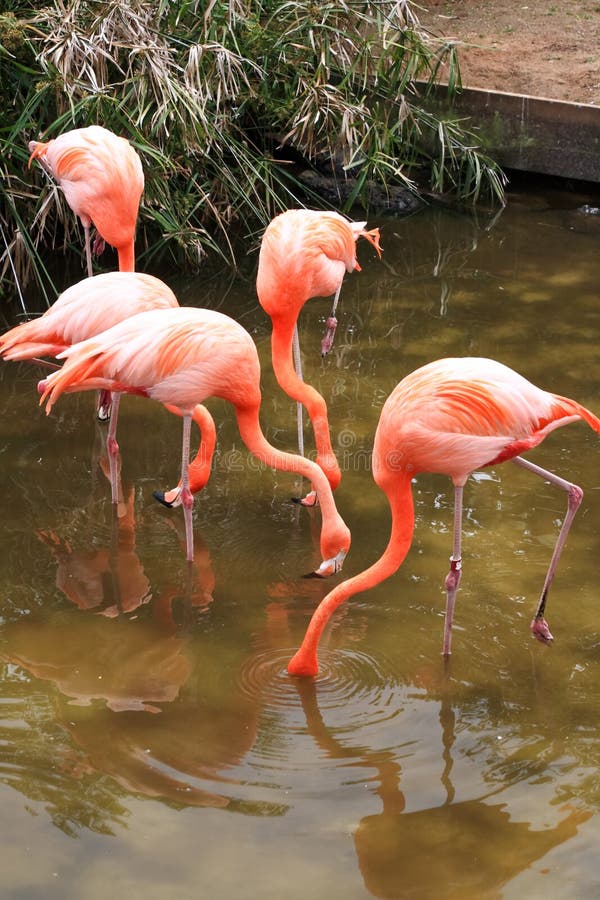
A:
(453, 577)
(539, 626)
(112, 448)
(187, 498)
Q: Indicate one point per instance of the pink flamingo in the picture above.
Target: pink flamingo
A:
(102, 179)
(452, 416)
(180, 357)
(305, 253)
(84, 310)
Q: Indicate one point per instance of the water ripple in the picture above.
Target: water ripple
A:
(352, 683)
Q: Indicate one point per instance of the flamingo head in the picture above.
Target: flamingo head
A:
(170, 499)
(329, 566)
(372, 235)
(304, 663)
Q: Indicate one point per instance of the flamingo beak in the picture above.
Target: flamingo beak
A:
(311, 500)
(170, 499)
(329, 566)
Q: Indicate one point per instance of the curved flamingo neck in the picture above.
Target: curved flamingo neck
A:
(200, 466)
(283, 367)
(335, 534)
(399, 495)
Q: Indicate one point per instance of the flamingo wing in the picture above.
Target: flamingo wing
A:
(85, 309)
(175, 356)
(457, 415)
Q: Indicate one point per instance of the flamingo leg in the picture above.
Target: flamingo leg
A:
(88, 251)
(298, 368)
(112, 449)
(187, 498)
(539, 626)
(453, 577)
(331, 325)
(311, 498)
(200, 468)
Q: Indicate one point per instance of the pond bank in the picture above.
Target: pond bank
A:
(531, 134)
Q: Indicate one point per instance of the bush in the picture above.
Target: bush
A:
(223, 101)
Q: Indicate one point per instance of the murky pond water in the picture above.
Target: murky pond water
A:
(152, 743)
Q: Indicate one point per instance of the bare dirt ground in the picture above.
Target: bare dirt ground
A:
(545, 48)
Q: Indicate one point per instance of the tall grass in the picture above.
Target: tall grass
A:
(225, 102)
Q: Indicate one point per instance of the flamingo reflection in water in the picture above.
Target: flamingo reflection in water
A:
(131, 662)
(188, 754)
(415, 844)
(127, 664)
(476, 845)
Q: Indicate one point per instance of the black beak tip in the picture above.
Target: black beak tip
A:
(160, 496)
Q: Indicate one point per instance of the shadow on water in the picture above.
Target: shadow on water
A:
(142, 697)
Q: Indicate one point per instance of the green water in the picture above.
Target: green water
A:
(152, 744)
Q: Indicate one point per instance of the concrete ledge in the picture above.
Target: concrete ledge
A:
(530, 134)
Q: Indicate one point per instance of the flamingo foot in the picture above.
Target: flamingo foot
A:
(327, 342)
(311, 500)
(99, 245)
(304, 664)
(541, 631)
